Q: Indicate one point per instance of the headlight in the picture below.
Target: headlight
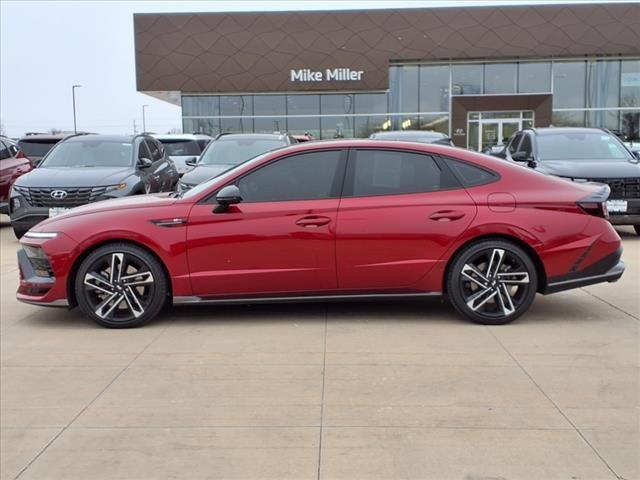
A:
(41, 235)
(119, 186)
(15, 204)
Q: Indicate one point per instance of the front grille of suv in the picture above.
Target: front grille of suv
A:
(76, 196)
(621, 188)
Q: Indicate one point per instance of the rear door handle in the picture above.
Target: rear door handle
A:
(447, 215)
(313, 221)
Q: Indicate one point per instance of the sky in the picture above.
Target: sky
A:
(48, 46)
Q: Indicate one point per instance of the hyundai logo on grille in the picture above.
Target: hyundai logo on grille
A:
(59, 194)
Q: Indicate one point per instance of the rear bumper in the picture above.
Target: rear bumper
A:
(608, 269)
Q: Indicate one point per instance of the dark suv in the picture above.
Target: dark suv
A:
(584, 155)
(87, 168)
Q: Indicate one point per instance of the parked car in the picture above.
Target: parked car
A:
(13, 164)
(36, 146)
(203, 140)
(88, 168)
(182, 148)
(228, 150)
(424, 136)
(346, 219)
(584, 155)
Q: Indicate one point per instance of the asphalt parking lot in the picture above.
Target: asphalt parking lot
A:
(378, 390)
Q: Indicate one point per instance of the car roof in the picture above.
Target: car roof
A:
(175, 136)
(257, 136)
(565, 130)
(104, 138)
(409, 133)
(44, 136)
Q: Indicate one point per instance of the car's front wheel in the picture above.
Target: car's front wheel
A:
(492, 282)
(121, 286)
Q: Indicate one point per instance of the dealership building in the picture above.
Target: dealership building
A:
(475, 73)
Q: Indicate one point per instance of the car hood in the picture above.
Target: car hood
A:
(124, 203)
(202, 173)
(74, 177)
(590, 169)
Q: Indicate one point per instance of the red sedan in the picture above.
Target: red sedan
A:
(348, 219)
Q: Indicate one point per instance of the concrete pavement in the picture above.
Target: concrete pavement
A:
(331, 391)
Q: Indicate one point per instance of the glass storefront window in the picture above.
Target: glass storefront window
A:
(301, 125)
(603, 83)
(403, 89)
(568, 119)
(365, 126)
(371, 103)
(269, 124)
(240, 105)
(337, 127)
(303, 104)
(269, 105)
(435, 122)
(210, 126)
(568, 84)
(200, 106)
(603, 119)
(499, 78)
(534, 77)
(630, 126)
(434, 88)
(630, 83)
(466, 79)
(336, 104)
(236, 125)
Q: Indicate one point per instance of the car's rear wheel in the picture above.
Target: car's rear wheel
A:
(121, 286)
(492, 282)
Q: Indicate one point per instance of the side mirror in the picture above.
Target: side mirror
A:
(144, 162)
(191, 162)
(229, 195)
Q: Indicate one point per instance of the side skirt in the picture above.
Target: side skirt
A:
(195, 300)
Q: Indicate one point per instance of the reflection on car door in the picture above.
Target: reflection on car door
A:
(399, 213)
(279, 239)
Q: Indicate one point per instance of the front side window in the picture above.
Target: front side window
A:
(513, 145)
(143, 151)
(525, 146)
(308, 176)
(154, 148)
(389, 172)
(90, 153)
(4, 151)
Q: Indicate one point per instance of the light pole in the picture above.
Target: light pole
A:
(144, 123)
(73, 95)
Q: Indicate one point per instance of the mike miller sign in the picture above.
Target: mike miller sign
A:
(329, 75)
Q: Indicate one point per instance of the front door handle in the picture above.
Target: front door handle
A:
(446, 215)
(313, 221)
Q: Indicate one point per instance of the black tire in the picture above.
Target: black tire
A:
(509, 290)
(134, 301)
(19, 232)
(637, 229)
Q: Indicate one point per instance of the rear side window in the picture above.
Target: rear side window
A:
(471, 175)
(36, 149)
(308, 176)
(392, 172)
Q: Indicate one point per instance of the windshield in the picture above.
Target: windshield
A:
(581, 146)
(233, 151)
(36, 149)
(195, 191)
(181, 148)
(90, 153)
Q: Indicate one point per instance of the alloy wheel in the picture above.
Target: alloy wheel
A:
(119, 287)
(494, 283)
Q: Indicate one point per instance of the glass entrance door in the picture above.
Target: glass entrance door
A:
(490, 129)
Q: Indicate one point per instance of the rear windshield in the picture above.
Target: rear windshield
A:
(233, 151)
(40, 148)
(90, 153)
(181, 148)
(581, 146)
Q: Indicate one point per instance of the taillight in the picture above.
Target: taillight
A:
(596, 203)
